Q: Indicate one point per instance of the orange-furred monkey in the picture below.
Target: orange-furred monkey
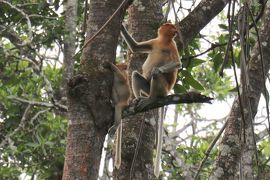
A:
(159, 71)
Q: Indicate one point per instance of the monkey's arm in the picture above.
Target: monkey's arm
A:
(116, 71)
(169, 67)
(135, 46)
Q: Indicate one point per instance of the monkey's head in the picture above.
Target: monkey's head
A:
(167, 30)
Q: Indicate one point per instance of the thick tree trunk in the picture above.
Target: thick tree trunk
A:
(230, 147)
(144, 20)
(91, 90)
(90, 110)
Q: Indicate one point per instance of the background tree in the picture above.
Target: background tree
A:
(38, 42)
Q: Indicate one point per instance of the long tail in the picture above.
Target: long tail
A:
(159, 143)
(118, 139)
(118, 146)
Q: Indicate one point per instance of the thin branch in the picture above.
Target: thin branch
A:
(207, 152)
(177, 132)
(213, 46)
(20, 126)
(262, 66)
(30, 34)
(37, 103)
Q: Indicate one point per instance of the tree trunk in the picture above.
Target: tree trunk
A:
(204, 12)
(69, 45)
(90, 110)
(144, 20)
(91, 89)
(230, 147)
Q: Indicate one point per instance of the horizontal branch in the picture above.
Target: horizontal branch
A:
(37, 103)
(186, 98)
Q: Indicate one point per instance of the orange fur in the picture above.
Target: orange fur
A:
(120, 94)
(161, 51)
(158, 56)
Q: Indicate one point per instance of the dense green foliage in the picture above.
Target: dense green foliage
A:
(32, 136)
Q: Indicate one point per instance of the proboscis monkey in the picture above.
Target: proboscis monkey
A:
(159, 71)
(120, 95)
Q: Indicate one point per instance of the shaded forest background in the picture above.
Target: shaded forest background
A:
(55, 101)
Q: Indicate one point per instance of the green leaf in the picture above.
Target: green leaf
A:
(217, 59)
(223, 26)
(34, 145)
(191, 81)
(179, 88)
(195, 62)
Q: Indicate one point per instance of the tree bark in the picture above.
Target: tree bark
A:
(69, 45)
(196, 20)
(90, 110)
(230, 147)
(91, 89)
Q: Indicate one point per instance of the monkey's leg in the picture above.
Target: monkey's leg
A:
(140, 85)
(159, 84)
(159, 88)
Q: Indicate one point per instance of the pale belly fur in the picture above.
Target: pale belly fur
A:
(156, 59)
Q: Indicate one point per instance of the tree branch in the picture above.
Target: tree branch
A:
(187, 98)
(204, 12)
(30, 34)
(36, 103)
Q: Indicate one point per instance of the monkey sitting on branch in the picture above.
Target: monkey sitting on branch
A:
(159, 72)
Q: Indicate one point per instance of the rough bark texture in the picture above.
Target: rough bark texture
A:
(184, 98)
(69, 45)
(90, 110)
(204, 12)
(144, 19)
(230, 147)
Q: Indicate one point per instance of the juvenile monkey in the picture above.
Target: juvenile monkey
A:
(159, 71)
(120, 96)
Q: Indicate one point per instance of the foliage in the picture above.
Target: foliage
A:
(32, 137)
(31, 69)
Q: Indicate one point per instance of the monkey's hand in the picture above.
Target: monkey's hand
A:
(169, 67)
(156, 71)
